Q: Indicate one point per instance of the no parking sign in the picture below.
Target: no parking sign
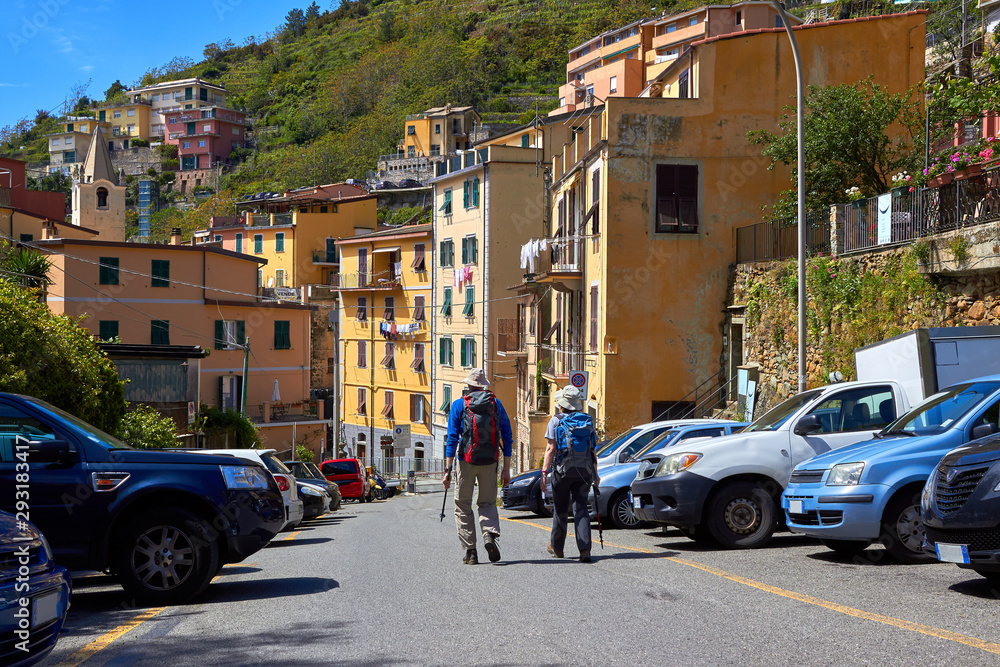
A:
(580, 380)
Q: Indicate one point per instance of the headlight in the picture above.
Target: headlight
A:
(927, 495)
(309, 491)
(676, 463)
(845, 474)
(521, 482)
(244, 477)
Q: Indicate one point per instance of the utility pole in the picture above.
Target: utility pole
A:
(246, 370)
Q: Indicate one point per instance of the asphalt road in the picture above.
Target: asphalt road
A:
(383, 584)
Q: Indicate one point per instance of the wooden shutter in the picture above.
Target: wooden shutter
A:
(220, 335)
(418, 358)
(388, 361)
(418, 257)
(470, 302)
(462, 352)
(593, 317)
(362, 267)
(475, 249)
(362, 309)
(441, 351)
(282, 335)
(390, 306)
(241, 333)
(444, 254)
(465, 194)
(418, 308)
(413, 407)
(472, 350)
(465, 250)
(387, 408)
(362, 407)
(595, 198)
(362, 354)
(475, 191)
(446, 306)
(446, 402)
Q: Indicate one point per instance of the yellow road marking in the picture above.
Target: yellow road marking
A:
(989, 647)
(101, 642)
(291, 536)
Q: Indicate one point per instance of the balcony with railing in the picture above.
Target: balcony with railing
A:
(367, 280)
(326, 257)
(271, 219)
(511, 339)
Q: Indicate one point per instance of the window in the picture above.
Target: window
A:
(69, 141)
(418, 308)
(614, 84)
(160, 332)
(230, 334)
(131, 126)
(778, 23)
(739, 18)
(102, 198)
(525, 140)
(676, 198)
(437, 128)
(411, 151)
(236, 131)
(419, 262)
(156, 98)
(447, 254)
(693, 21)
(279, 277)
(172, 121)
(362, 314)
(27, 238)
(362, 401)
(324, 209)
(117, 114)
(258, 243)
(387, 407)
(417, 410)
(590, 91)
(131, 112)
(470, 250)
(187, 144)
(470, 193)
(446, 302)
(390, 309)
(435, 149)
(206, 127)
(446, 356)
(854, 410)
(445, 207)
(446, 399)
(108, 329)
(69, 156)
(218, 238)
(594, 303)
(673, 26)
(362, 267)
(109, 271)
(418, 358)
(282, 335)
(595, 203)
(468, 356)
(201, 143)
(470, 302)
(362, 354)
(260, 277)
(411, 130)
(161, 273)
(279, 242)
(55, 142)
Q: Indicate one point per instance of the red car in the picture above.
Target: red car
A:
(350, 476)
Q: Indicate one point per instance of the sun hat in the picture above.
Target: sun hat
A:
(476, 378)
(570, 398)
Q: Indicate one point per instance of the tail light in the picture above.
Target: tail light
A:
(282, 482)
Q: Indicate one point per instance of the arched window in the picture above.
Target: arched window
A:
(102, 198)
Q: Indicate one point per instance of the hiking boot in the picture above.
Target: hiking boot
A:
(471, 557)
(557, 554)
(585, 556)
(490, 542)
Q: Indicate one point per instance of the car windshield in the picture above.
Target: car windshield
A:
(313, 469)
(778, 415)
(939, 412)
(272, 463)
(94, 433)
(661, 440)
(614, 442)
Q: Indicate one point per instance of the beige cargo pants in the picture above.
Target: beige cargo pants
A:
(485, 476)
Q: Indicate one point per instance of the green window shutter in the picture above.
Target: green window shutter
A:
(470, 302)
(282, 335)
(444, 253)
(160, 332)
(241, 332)
(109, 271)
(279, 243)
(446, 306)
(465, 194)
(472, 350)
(161, 273)
(220, 335)
(446, 402)
(258, 243)
(451, 253)
(465, 251)
(474, 243)
(108, 329)
(462, 353)
(441, 355)
(525, 141)
(475, 191)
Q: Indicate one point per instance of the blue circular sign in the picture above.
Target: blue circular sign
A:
(578, 380)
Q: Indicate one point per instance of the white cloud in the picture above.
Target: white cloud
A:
(87, 68)
(63, 44)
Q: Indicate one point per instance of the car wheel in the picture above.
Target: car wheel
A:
(741, 515)
(165, 556)
(903, 529)
(846, 547)
(380, 494)
(540, 508)
(620, 511)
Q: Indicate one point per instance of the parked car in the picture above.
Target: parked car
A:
(869, 491)
(621, 447)
(33, 589)
(409, 183)
(615, 501)
(114, 501)
(350, 476)
(525, 493)
(385, 185)
(961, 508)
(727, 490)
(355, 181)
(315, 500)
(283, 477)
(307, 471)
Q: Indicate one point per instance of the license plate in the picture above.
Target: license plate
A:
(952, 553)
(45, 608)
(636, 502)
(795, 507)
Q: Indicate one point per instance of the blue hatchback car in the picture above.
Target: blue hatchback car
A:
(852, 496)
(34, 594)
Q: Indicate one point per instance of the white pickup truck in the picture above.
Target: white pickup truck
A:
(728, 489)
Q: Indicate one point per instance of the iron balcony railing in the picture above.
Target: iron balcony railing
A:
(964, 202)
(778, 239)
(888, 219)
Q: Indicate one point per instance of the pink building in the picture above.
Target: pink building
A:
(15, 194)
(205, 136)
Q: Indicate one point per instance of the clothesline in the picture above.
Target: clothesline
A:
(393, 331)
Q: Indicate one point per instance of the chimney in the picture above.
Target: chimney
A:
(175, 236)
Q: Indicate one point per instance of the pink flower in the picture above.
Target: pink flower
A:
(951, 168)
(925, 171)
(908, 177)
(911, 188)
(955, 157)
(986, 154)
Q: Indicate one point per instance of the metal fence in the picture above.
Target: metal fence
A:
(962, 203)
(399, 466)
(778, 239)
(887, 219)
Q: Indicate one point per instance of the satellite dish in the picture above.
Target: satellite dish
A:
(270, 281)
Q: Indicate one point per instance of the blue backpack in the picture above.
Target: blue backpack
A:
(575, 446)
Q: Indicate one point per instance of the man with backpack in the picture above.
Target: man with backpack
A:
(477, 423)
(571, 457)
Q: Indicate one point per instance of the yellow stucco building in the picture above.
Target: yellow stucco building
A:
(438, 131)
(385, 346)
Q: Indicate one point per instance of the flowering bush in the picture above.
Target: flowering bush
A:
(953, 160)
(901, 179)
(854, 194)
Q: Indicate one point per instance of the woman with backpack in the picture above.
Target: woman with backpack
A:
(571, 457)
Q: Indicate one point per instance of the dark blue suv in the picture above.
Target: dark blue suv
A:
(163, 522)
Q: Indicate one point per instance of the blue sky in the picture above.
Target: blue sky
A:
(49, 46)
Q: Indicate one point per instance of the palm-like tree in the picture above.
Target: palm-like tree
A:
(27, 267)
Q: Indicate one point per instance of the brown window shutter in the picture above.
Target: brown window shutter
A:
(418, 257)
(413, 407)
(362, 355)
(593, 317)
(362, 309)
(390, 307)
(361, 401)
(418, 309)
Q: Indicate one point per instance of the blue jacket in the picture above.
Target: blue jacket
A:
(455, 427)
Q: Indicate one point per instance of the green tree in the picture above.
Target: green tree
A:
(114, 90)
(295, 22)
(856, 135)
(53, 358)
(145, 428)
(25, 266)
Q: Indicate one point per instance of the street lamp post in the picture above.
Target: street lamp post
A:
(801, 174)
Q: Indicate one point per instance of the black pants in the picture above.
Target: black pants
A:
(563, 491)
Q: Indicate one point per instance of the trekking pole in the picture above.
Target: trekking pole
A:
(443, 503)
(597, 506)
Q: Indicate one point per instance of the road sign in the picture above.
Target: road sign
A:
(191, 412)
(580, 380)
(401, 437)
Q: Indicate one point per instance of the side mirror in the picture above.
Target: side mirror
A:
(50, 451)
(983, 430)
(808, 424)
(622, 457)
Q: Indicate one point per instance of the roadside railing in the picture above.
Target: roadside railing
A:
(778, 239)
(890, 218)
(962, 203)
(399, 466)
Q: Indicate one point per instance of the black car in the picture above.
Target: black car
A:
(315, 501)
(385, 185)
(409, 183)
(524, 493)
(961, 508)
(309, 472)
(163, 522)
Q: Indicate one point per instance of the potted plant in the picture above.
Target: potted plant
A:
(855, 196)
